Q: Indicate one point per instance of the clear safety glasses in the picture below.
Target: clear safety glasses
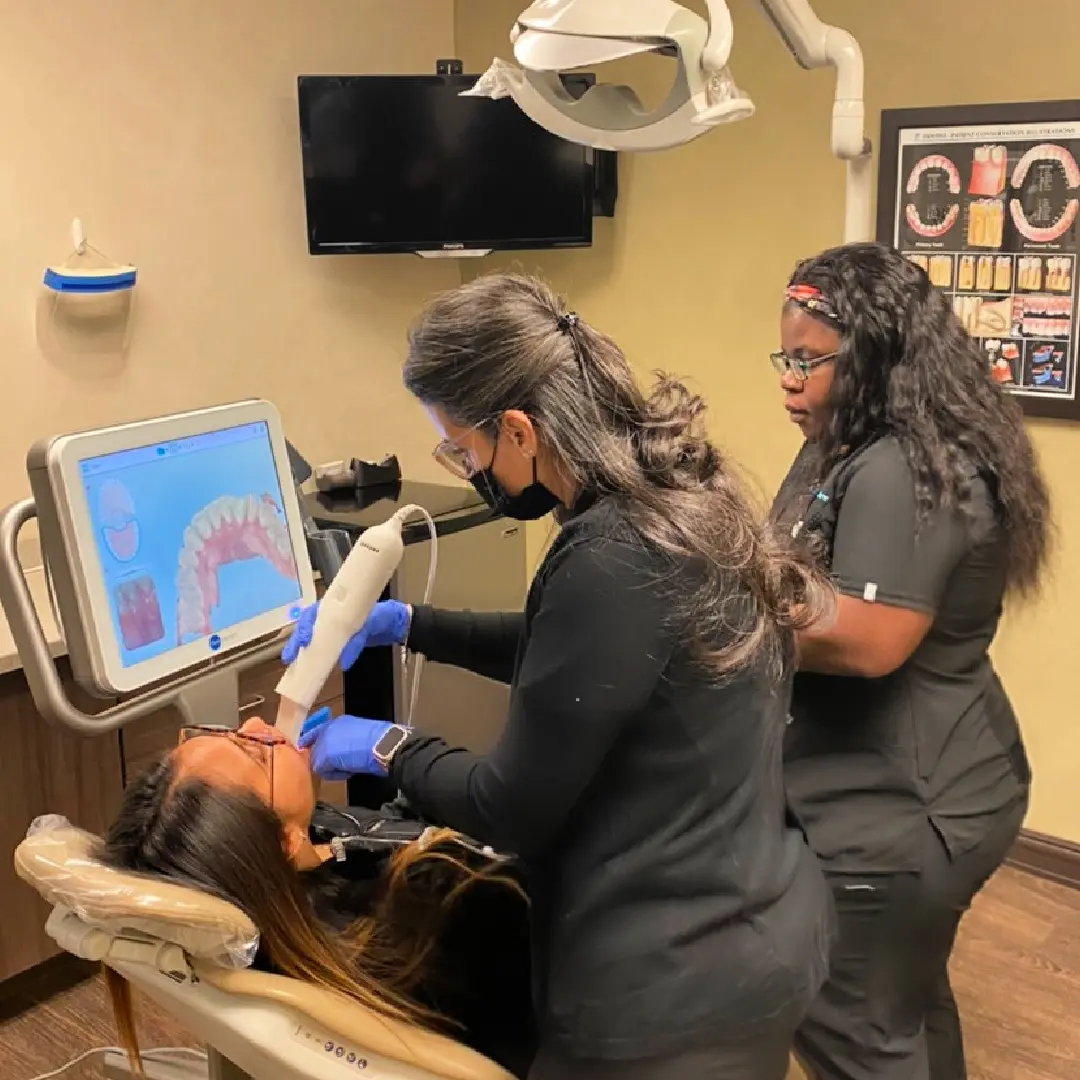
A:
(259, 747)
(458, 460)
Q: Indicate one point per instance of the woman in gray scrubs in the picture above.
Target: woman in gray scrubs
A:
(919, 488)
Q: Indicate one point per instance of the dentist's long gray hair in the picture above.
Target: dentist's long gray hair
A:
(507, 341)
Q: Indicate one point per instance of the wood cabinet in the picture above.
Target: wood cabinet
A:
(44, 770)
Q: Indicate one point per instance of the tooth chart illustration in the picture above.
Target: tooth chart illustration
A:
(989, 212)
(119, 525)
(226, 531)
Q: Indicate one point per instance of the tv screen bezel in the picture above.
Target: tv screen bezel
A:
(577, 83)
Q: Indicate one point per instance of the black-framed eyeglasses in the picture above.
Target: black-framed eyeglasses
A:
(797, 366)
(257, 745)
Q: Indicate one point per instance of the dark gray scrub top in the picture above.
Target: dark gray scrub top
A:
(868, 761)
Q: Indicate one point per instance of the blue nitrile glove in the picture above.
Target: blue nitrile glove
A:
(342, 747)
(388, 624)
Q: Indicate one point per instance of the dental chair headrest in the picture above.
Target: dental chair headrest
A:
(60, 862)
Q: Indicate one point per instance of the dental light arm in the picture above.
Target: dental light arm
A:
(815, 44)
(553, 36)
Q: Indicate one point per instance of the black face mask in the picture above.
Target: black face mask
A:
(530, 504)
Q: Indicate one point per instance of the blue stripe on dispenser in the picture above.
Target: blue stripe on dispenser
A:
(74, 282)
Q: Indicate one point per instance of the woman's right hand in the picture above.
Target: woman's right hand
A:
(388, 624)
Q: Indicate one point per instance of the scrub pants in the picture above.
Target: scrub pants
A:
(887, 1011)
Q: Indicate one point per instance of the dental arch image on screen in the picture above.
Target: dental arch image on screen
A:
(191, 538)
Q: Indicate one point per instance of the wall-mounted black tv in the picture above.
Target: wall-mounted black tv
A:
(403, 163)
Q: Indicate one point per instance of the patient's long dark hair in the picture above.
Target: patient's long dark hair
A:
(229, 843)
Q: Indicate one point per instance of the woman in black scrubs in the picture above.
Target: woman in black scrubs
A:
(919, 489)
(680, 925)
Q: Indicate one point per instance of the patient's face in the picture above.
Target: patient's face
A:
(271, 768)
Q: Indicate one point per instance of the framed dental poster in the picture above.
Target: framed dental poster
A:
(985, 199)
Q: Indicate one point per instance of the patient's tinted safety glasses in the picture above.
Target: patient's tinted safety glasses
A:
(258, 746)
(799, 368)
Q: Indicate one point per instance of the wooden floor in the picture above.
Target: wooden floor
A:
(1016, 973)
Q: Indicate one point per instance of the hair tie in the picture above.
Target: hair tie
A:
(566, 321)
(812, 300)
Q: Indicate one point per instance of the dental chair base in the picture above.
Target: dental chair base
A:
(116, 1067)
(257, 1037)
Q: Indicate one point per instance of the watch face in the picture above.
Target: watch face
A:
(389, 742)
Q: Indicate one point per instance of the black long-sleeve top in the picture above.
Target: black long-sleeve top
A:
(646, 800)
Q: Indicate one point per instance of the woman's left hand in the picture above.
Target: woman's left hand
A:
(343, 746)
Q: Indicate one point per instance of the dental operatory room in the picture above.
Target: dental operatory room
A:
(641, 653)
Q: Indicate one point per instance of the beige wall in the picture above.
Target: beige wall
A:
(170, 129)
(689, 273)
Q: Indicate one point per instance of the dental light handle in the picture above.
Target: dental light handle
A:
(343, 610)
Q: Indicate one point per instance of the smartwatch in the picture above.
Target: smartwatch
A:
(390, 742)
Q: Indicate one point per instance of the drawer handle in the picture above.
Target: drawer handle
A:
(511, 530)
(254, 703)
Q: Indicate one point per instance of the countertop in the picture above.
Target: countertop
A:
(453, 508)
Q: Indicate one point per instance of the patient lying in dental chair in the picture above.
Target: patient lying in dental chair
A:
(415, 923)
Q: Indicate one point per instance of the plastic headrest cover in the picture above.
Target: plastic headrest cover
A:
(59, 861)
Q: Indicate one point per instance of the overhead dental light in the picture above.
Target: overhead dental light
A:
(555, 36)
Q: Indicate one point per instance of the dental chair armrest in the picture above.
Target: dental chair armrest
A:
(97, 945)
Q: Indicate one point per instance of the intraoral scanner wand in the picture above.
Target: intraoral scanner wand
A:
(343, 610)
